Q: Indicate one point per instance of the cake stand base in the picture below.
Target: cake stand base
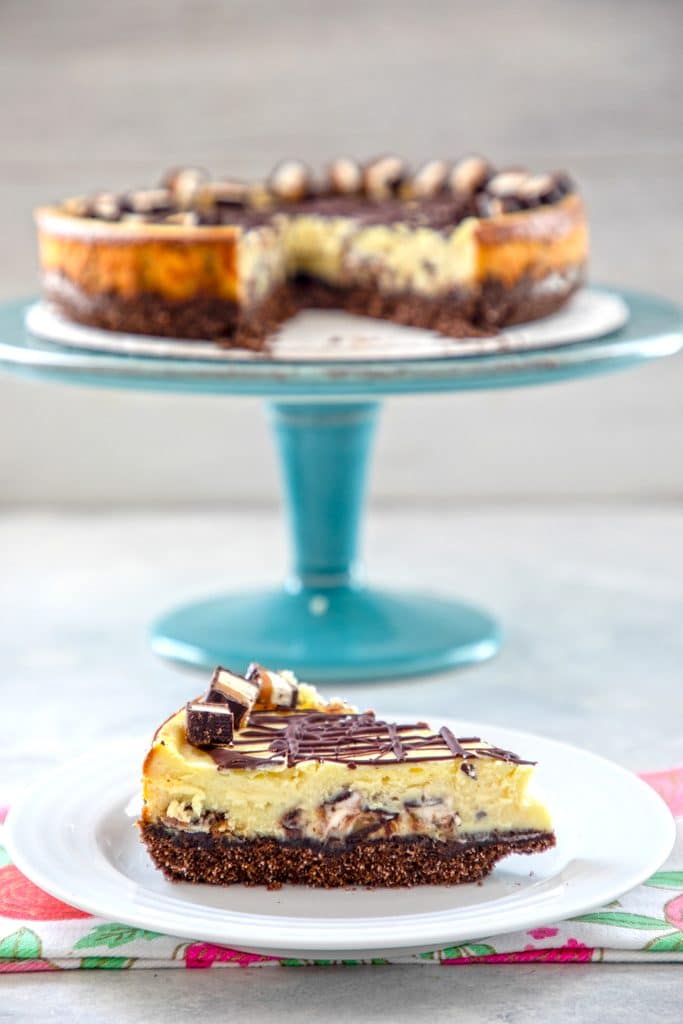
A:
(335, 634)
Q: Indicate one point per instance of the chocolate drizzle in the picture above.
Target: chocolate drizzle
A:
(451, 742)
(272, 739)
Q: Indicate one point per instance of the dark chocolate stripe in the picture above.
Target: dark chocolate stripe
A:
(451, 742)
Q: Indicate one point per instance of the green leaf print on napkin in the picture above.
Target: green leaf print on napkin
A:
(666, 880)
(623, 920)
(4, 857)
(666, 944)
(106, 963)
(471, 949)
(21, 945)
(113, 935)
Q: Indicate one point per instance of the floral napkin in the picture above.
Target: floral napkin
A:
(39, 933)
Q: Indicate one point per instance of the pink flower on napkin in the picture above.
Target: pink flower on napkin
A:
(22, 900)
(572, 952)
(26, 966)
(204, 954)
(543, 933)
(673, 912)
(669, 785)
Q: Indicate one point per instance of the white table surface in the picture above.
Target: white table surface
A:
(592, 602)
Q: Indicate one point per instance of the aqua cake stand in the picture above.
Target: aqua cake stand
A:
(325, 623)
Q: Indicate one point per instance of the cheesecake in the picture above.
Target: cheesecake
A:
(460, 248)
(318, 793)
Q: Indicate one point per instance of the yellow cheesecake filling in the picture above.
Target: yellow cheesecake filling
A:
(244, 264)
(317, 245)
(428, 792)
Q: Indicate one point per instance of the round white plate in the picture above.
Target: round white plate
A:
(73, 835)
(324, 335)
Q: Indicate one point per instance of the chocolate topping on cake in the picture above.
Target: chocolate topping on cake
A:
(381, 191)
(352, 739)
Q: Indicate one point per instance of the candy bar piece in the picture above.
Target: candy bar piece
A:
(186, 218)
(383, 177)
(275, 690)
(469, 175)
(149, 200)
(429, 180)
(223, 193)
(291, 180)
(106, 206)
(237, 692)
(345, 177)
(184, 184)
(507, 183)
(208, 725)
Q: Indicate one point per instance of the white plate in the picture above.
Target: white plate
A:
(324, 335)
(73, 835)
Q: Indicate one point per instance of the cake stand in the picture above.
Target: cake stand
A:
(325, 623)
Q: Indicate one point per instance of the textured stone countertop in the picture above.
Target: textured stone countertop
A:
(592, 603)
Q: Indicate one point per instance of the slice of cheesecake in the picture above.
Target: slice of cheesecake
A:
(324, 795)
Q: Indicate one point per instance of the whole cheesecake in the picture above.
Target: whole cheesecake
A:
(460, 248)
(264, 782)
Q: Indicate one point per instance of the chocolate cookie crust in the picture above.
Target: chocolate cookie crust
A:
(383, 863)
(200, 317)
(458, 315)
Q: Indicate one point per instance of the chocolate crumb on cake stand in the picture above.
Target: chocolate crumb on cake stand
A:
(325, 622)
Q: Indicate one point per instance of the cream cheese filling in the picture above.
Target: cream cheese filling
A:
(316, 245)
(398, 258)
(394, 258)
(261, 260)
(183, 784)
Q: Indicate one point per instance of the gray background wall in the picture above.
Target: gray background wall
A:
(99, 95)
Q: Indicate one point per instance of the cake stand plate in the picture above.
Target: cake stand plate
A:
(324, 624)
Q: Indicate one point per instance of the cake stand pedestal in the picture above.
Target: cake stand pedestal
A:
(325, 623)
